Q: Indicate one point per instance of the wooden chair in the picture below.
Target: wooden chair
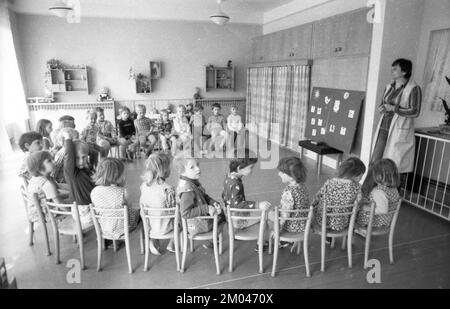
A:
(370, 230)
(35, 200)
(173, 214)
(215, 235)
(254, 232)
(298, 238)
(114, 214)
(65, 219)
(324, 231)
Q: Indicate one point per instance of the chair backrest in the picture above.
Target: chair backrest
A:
(235, 214)
(344, 212)
(99, 214)
(27, 200)
(150, 213)
(390, 217)
(296, 215)
(214, 218)
(65, 210)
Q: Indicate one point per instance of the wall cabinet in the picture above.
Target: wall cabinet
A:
(69, 79)
(322, 31)
(219, 78)
(296, 43)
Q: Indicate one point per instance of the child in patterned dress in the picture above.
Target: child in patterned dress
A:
(89, 135)
(192, 197)
(44, 127)
(198, 123)
(233, 189)
(165, 129)
(156, 193)
(339, 191)
(145, 130)
(110, 193)
(385, 194)
(106, 130)
(216, 125)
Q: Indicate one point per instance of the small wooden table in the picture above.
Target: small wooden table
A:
(321, 149)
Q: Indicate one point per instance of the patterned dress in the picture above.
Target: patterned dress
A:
(385, 199)
(114, 197)
(233, 195)
(158, 196)
(45, 189)
(89, 134)
(294, 197)
(106, 129)
(336, 192)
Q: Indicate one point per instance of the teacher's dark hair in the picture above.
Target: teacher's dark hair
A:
(405, 65)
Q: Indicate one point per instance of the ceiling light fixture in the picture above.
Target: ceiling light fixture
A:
(219, 18)
(60, 9)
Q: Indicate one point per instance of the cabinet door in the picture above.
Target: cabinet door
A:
(322, 31)
(268, 47)
(352, 34)
(257, 50)
(300, 38)
(277, 46)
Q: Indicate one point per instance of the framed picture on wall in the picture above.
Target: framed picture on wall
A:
(155, 69)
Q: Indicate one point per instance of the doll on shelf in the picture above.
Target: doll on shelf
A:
(197, 95)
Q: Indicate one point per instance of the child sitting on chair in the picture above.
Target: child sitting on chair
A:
(58, 173)
(234, 122)
(89, 135)
(145, 130)
(78, 176)
(65, 121)
(385, 194)
(40, 165)
(233, 189)
(127, 133)
(29, 142)
(340, 191)
(192, 197)
(110, 193)
(106, 130)
(198, 123)
(181, 135)
(156, 193)
(189, 111)
(165, 129)
(216, 125)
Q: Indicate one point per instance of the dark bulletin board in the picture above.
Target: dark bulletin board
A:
(333, 117)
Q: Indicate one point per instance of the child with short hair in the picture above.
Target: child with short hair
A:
(106, 130)
(44, 127)
(295, 195)
(339, 191)
(234, 122)
(385, 194)
(78, 176)
(110, 193)
(58, 173)
(145, 130)
(127, 133)
(29, 142)
(216, 126)
(192, 197)
(156, 193)
(65, 121)
(40, 165)
(189, 111)
(181, 135)
(89, 135)
(198, 123)
(165, 129)
(233, 188)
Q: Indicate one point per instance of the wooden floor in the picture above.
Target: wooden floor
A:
(421, 247)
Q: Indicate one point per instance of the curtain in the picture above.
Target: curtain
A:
(436, 69)
(13, 108)
(277, 101)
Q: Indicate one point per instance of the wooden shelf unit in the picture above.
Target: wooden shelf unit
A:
(67, 79)
(219, 78)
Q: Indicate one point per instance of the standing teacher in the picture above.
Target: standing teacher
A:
(394, 137)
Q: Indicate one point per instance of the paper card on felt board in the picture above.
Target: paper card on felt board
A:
(322, 131)
(319, 122)
(314, 132)
(313, 121)
(319, 111)
(313, 109)
(332, 128)
(343, 130)
(337, 106)
(351, 114)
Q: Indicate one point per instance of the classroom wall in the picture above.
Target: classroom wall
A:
(111, 46)
(436, 16)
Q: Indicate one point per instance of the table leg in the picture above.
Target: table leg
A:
(319, 164)
(301, 153)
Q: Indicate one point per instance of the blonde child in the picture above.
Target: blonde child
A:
(181, 135)
(127, 134)
(194, 202)
(44, 127)
(58, 173)
(89, 135)
(29, 143)
(110, 193)
(65, 121)
(156, 193)
(106, 131)
(385, 194)
(42, 185)
(198, 123)
(216, 125)
(145, 130)
(339, 191)
(234, 123)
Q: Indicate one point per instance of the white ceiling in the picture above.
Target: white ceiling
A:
(240, 11)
